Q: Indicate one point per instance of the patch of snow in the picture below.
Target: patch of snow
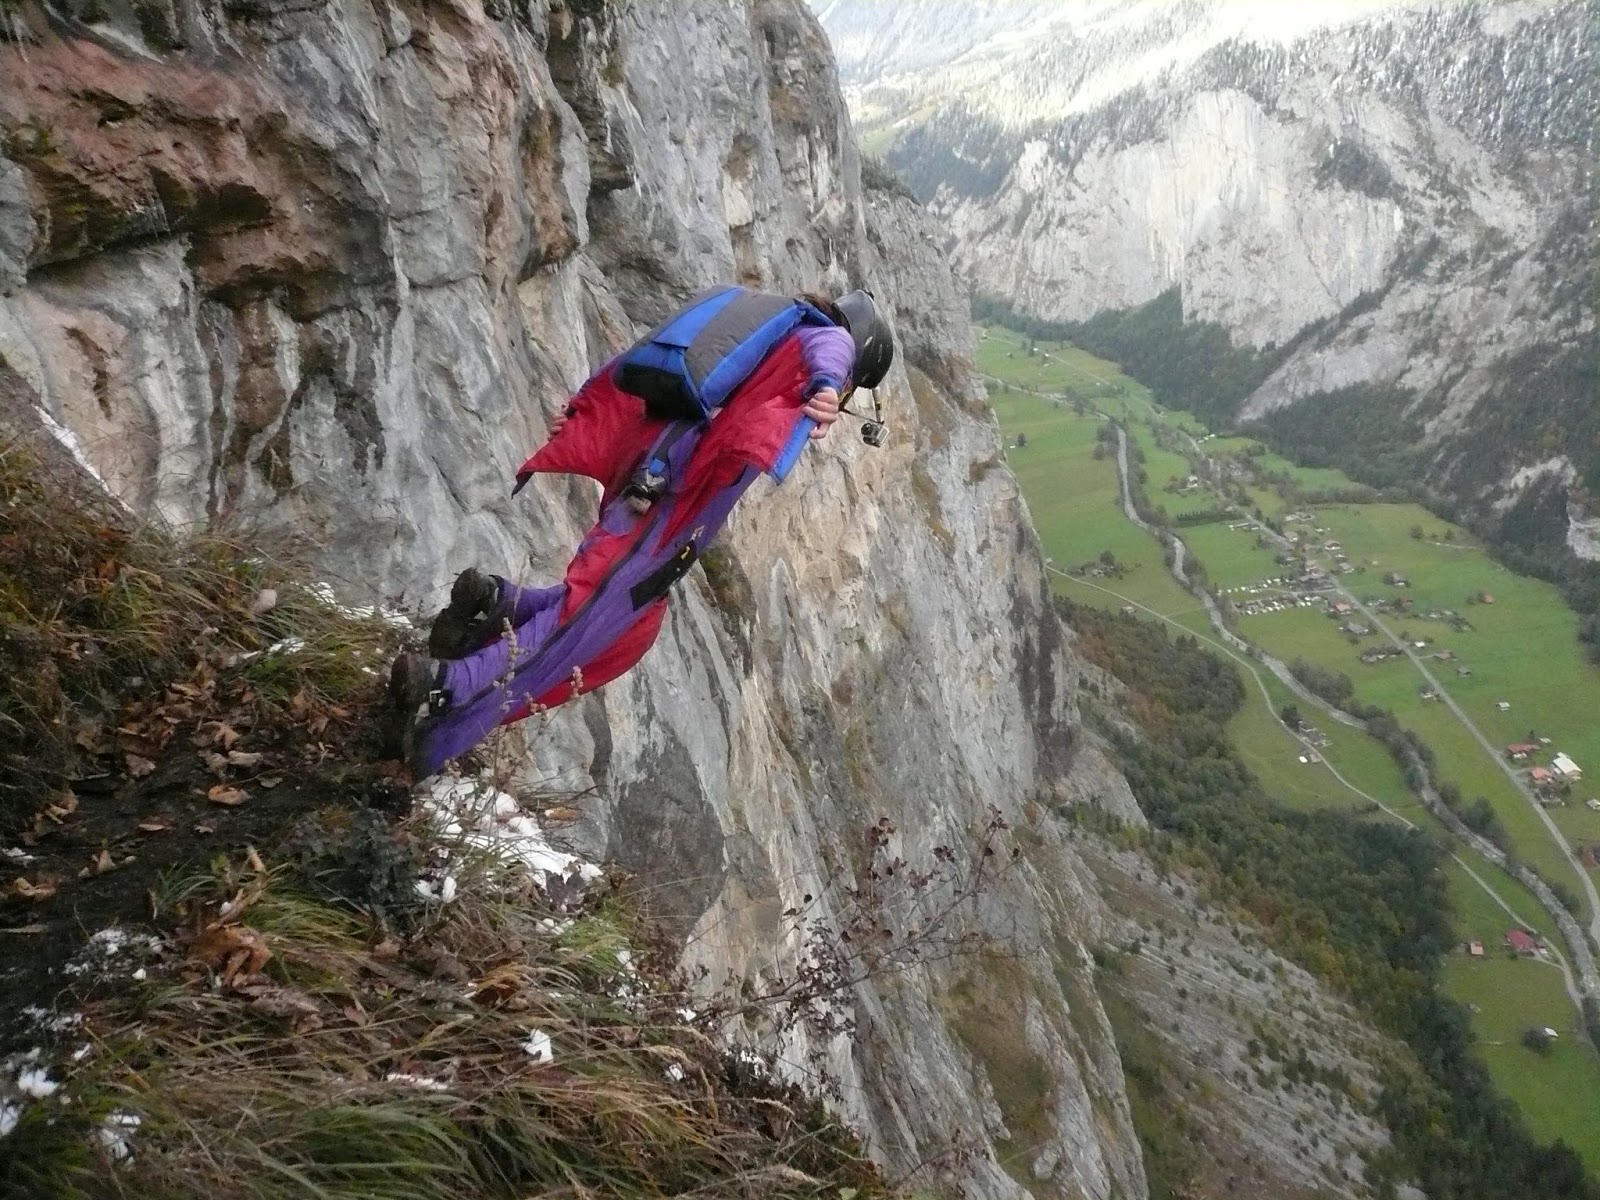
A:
(477, 815)
(10, 1114)
(421, 1082)
(443, 890)
(323, 592)
(115, 1135)
(36, 1082)
(43, 1019)
(538, 1047)
(109, 945)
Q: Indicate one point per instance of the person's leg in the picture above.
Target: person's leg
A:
(519, 604)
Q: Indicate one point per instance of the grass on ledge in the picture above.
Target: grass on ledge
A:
(289, 1044)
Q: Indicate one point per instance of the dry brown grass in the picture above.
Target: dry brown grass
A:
(98, 610)
(314, 1052)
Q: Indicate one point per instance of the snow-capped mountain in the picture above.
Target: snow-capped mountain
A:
(1379, 194)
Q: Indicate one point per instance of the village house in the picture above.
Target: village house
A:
(1563, 766)
(1485, 597)
(1503, 705)
(1342, 608)
(1520, 750)
(1475, 949)
(1520, 942)
(1541, 777)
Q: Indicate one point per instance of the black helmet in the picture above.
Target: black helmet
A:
(874, 342)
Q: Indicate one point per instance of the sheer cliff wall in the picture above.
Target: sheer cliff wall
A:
(328, 268)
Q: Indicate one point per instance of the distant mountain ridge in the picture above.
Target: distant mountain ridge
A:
(1398, 200)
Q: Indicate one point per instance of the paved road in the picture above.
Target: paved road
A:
(1180, 557)
(1588, 978)
(1378, 623)
(1586, 981)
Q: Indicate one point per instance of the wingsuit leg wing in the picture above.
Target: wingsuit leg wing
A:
(617, 590)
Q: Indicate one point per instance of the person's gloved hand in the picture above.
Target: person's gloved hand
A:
(560, 420)
(823, 408)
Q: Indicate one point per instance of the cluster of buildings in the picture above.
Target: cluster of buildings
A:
(1551, 780)
(1279, 593)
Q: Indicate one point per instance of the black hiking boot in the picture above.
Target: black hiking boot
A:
(414, 697)
(464, 624)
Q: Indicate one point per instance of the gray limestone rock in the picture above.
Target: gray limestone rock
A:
(327, 270)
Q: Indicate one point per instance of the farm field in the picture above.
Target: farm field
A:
(1393, 684)
(1521, 650)
(1507, 997)
(1078, 512)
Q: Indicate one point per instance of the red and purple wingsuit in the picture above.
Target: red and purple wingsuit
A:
(606, 613)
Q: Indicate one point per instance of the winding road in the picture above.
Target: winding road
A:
(1585, 980)
(1527, 793)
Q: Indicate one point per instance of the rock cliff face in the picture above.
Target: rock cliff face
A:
(325, 269)
(1383, 194)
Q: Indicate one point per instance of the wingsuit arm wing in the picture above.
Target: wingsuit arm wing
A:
(604, 435)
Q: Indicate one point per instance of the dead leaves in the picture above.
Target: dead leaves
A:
(62, 805)
(49, 818)
(215, 733)
(502, 988)
(224, 945)
(138, 766)
(299, 1009)
(104, 864)
(234, 952)
(24, 890)
(227, 796)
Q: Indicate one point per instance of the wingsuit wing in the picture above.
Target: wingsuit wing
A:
(605, 434)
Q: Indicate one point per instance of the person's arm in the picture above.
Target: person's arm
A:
(829, 354)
